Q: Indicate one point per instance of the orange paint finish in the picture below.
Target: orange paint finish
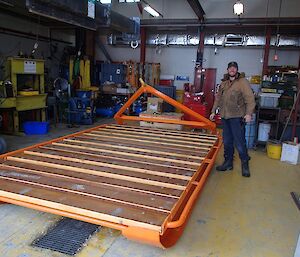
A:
(4, 156)
(201, 122)
(174, 225)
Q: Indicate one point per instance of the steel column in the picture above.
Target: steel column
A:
(198, 81)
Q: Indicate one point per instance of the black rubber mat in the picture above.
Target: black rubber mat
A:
(67, 236)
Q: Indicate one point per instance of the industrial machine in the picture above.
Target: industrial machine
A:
(78, 109)
(23, 92)
(141, 181)
(205, 82)
(81, 108)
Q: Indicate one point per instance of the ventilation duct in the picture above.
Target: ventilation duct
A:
(228, 40)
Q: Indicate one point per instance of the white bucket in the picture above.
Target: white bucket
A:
(264, 132)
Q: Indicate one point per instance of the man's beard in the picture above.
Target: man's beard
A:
(232, 76)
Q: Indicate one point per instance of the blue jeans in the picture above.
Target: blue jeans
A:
(234, 135)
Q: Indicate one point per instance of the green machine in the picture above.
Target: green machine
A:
(25, 92)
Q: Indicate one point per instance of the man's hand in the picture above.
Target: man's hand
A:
(248, 118)
(212, 116)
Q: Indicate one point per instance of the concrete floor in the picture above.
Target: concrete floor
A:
(234, 216)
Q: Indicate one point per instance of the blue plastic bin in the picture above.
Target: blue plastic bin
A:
(108, 112)
(84, 94)
(35, 127)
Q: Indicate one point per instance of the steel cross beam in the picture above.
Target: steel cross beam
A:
(197, 8)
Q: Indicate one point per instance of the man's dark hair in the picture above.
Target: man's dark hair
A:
(233, 64)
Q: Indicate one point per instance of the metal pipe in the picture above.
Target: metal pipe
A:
(220, 22)
(32, 36)
(143, 51)
(266, 51)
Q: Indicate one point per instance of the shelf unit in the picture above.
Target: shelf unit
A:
(262, 116)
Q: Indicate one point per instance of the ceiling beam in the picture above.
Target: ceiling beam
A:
(140, 7)
(197, 8)
(255, 26)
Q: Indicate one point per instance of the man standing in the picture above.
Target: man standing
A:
(236, 102)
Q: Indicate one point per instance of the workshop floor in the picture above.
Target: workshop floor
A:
(234, 216)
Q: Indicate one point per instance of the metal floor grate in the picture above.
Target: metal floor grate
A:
(67, 236)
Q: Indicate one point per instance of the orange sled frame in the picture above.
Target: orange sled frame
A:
(174, 225)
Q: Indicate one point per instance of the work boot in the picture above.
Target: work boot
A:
(245, 169)
(227, 165)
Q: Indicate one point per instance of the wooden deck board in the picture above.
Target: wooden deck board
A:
(159, 171)
(152, 141)
(101, 171)
(156, 152)
(128, 185)
(150, 146)
(124, 154)
(122, 174)
(161, 131)
(114, 158)
(103, 192)
(85, 205)
(152, 136)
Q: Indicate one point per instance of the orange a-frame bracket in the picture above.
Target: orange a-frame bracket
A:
(201, 122)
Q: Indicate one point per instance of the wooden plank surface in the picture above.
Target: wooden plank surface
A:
(126, 154)
(123, 174)
(153, 136)
(149, 144)
(92, 179)
(102, 172)
(160, 131)
(173, 145)
(95, 161)
(103, 192)
(153, 151)
(83, 205)
(134, 162)
(145, 153)
(102, 162)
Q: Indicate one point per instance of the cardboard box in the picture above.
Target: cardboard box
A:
(123, 91)
(163, 116)
(154, 105)
(109, 89)
(290, 153)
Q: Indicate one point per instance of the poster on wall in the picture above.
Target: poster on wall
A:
(30, 67)
(183, 78)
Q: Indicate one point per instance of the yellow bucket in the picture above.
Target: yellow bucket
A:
(274, 150)
(179, 98)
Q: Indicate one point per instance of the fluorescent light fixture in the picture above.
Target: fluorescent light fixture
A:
(238, 8)
(151, 11)
(129, 1)
(105, 1)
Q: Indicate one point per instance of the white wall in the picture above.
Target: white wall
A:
(180, 60)
(213, 8)
(284, 58)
